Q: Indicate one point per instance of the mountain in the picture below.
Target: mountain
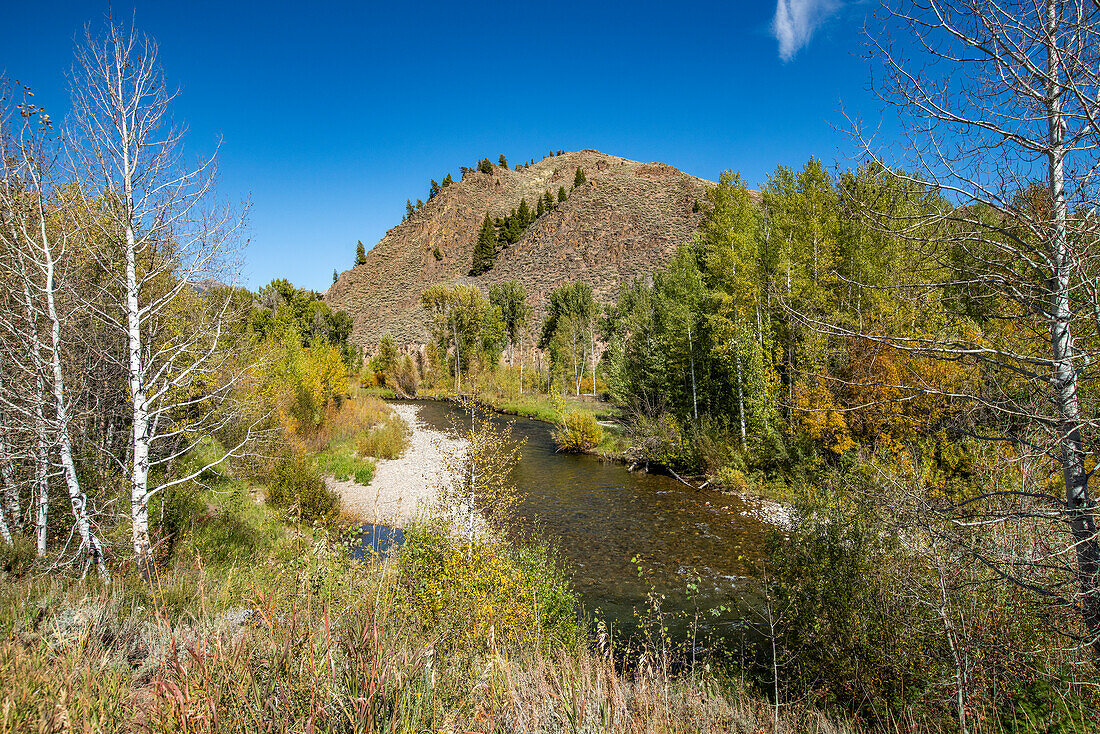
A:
(624, 222)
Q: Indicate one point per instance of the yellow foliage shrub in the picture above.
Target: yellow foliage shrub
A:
(578, 432)
(823, 419)
(305, 382)
(485, 590)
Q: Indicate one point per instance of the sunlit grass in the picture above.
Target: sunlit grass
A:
(386, 441)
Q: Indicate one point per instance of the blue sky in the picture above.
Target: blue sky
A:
(332, 114)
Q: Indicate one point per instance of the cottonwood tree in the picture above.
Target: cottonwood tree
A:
(569, 329)
(163, 246)
(458, 316)
(511, 298)
(1000, 103)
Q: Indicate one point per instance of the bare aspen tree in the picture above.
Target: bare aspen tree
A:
(25, 399)
(12, 509)
(163, 244)
(1000, 103)
(36, 251)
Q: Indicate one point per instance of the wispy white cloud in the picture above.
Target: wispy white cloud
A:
(796, 20)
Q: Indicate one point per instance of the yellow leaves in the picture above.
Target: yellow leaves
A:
(896, 397)
(303, 383)
(486, 591)
(579, 432)
(822, 419)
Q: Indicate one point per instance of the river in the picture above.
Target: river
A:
(600, 516)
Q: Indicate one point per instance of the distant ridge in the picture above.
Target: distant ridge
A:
(624, 222)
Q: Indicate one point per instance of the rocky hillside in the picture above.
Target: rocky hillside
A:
(625, 221)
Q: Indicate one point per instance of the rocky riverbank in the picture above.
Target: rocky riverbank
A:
(402, 487)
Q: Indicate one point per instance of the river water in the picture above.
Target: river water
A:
(600, 516)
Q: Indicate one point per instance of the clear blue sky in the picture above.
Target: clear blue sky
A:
(333, 114)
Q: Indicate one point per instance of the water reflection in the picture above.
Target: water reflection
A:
(376, 542)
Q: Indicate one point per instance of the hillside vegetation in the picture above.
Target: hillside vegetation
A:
(624, 221)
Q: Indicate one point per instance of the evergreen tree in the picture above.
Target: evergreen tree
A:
(419, 204)
(502, 161)
(579, 178)
(562, 196)
(448, 181)
(511, 228)
(485, 165)
(360, 254)
(335, 275)
(485, 250)
(540, 209)
(433, 190)
(386, 358)
(523, 213)
(547, 201)
(409, 210)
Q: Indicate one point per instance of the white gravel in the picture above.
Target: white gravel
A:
(402, 487)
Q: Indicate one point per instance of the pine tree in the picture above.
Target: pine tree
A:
(360, 254)
(335, 275)
(503, 161)
(579, 178)
(540, 209)
(485, 165)
(433, 190)
(485, 251)
(419, 204)
(547, 201)
(448, 181)
(562, 196)
(523, 213)
(409, 210)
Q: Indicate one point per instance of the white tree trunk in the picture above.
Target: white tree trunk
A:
(139, 470)
(741, 404)
(592, 337)
(7, 474)
(1079, 504)
(41, 490)
(79, 501)
(458, 359)
(691, 359)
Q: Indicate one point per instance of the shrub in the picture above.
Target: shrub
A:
(483, 588)
(716, 446)
(305, 382)
(579, 432)
(663, 442)
(405, 376)
(296, 484)
(232, 530)
(353, 417)
(387, 441)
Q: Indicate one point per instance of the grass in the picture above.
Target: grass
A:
(360, 430)
(386, 441)
(296, 637)
(342, 462)
(286, 633)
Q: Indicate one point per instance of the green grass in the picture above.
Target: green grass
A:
(343, 462)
